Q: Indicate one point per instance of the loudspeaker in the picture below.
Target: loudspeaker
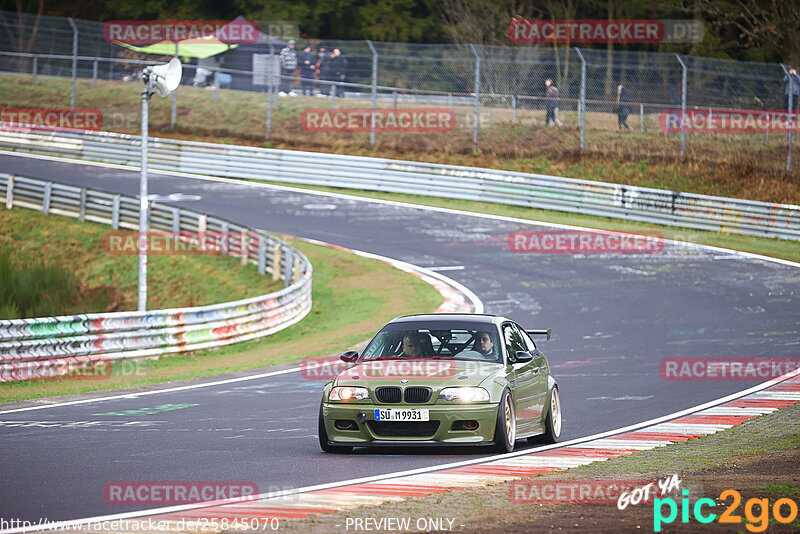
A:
(167, 77)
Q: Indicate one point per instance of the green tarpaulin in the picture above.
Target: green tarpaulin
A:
(191, 48)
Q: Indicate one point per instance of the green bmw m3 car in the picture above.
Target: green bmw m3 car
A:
(442, 379)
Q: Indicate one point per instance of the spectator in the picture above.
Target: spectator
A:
(288, 60)
(308, 67)
(552, 103)
(792, 81)
(322, 58)
(623, 108)
(327, 72)
(339, 70)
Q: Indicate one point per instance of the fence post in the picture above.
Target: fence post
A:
(683, 105)
(74, 61)
(35, 68)
(513, 108)
(333, 96)
(173, 119)
(789, 117)
(374, 91)
(477, 98)
(641, 117)
(94, 74)
(582, 100)
(270, 77)
(216, 85)
(394, 101)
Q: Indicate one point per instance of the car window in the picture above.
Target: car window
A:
(513, 339)
(527, 339)
(473, 344)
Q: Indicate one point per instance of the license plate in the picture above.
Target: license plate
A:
(396, 414)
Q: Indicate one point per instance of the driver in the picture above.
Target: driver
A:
(412, 345)
(485, 345)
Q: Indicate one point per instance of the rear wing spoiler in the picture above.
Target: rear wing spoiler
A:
(547, 333)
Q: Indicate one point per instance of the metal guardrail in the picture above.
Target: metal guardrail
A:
(642, 204)
(52, 346)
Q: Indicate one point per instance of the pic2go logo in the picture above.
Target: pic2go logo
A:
(755, 523)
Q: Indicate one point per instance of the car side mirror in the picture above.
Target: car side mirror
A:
(350, 356)
(522, 356)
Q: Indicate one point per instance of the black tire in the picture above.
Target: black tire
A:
(553, 428)
(504, 437)
(323, 438)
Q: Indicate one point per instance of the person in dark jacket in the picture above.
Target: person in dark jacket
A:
(322, 58)
(308, 67)
(623, 107)
(552, 103)
(339, 70)
(327, 72)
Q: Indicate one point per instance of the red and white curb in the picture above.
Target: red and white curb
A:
(693, 423)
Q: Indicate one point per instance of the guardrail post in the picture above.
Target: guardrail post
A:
(582, 100)
(276, 262)
(262, 255)
(223, 228)
(683, 105)
(115, 212)
(82, 206)
(94, 74)
(176, 221)
(287, 269)
(74, 61)
(790, 119)
(35, 68)
(374, 91)
(10, 192)
(296, 270)
(48, 193)
(477, 98)
(243, 242)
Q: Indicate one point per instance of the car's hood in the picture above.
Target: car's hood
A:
(432, 372)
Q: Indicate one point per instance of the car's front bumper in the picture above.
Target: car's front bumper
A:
(368, 434)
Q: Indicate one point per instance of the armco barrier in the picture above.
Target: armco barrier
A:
(657, 206)
(33, 348)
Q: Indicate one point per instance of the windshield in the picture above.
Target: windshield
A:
(460, 344)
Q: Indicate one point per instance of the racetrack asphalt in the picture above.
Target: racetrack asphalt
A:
(614, 318)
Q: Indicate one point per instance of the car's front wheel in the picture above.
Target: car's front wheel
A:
(323, 437)
(505, 433)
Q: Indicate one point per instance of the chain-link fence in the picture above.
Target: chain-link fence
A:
(609, 103)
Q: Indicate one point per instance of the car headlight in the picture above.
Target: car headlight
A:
(347, 393)
(464, 394)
